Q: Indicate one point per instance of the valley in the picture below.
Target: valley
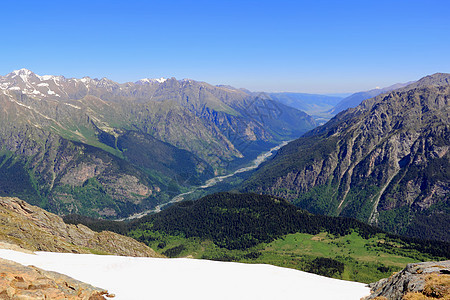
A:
(225, 150)
(211, 182)
(157, 191)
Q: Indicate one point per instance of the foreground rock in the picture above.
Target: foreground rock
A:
(35, 229)
(21, 282)
(428, 280)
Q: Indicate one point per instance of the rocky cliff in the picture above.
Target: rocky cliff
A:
(386, 162)
(35, 229)
(428, 280)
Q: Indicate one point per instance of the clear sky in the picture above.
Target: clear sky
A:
(302, 46)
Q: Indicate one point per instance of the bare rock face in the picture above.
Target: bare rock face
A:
(431, 279)
(35, 229)
(21, 282)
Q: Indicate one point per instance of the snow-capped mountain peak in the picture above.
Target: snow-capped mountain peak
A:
(23, 72)
(152, 80)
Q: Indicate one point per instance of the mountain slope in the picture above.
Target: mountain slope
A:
(35, 229)
(384, 162)
(191, 115)
(100, 148)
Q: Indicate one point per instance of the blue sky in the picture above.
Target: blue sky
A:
(299, 46)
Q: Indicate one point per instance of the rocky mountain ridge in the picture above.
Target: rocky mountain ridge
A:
(35, 229)
(385, 162)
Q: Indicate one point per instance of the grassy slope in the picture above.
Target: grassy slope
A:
(363, 260)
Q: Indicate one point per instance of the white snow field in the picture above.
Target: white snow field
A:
(133, 278)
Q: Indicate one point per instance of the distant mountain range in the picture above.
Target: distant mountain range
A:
(97, 147)
(386, 162)
(324, 107)
(356, 98)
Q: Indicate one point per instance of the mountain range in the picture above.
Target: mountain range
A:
(356, 98)
(386, 162)
(103, 149)
(323, 107)
(97, 147)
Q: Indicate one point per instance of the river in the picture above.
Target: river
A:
(211, 182)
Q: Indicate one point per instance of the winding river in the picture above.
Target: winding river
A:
(211, 182)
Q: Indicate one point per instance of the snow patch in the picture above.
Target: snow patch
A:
(153, 80)
(43, 84)
(162, 278)
(23, 72)
(14, 88)
(46, 77)
(71, 105)
(50, 92)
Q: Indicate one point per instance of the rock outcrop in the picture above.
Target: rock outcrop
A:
(35, 229)
(429, 280)
(22, 282)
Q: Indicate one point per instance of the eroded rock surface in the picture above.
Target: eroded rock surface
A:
(28, 282)
(431, 279)
(35, 229)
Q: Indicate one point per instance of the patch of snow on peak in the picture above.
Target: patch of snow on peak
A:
(46, 77)
(22, 71)
(71, 105)
(43, 84)
(153, 80)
